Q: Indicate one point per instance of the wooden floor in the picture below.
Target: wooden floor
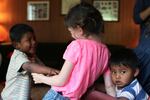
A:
(37, 91)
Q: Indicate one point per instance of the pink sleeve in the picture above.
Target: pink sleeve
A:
(72, 52)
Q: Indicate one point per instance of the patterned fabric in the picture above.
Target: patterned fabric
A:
(90, 59)
(133, 91)
(17, 84)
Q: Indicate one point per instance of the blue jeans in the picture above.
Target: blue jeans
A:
(143, 53)
(53, 95)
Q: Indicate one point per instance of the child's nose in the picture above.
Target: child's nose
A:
(117, 75)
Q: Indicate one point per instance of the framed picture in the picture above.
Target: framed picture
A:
(37, 10)
(67, 4)
(108, 8)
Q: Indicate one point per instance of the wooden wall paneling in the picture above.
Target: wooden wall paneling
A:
(125, 32)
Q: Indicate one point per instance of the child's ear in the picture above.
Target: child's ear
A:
(80, 30)
(136, 72)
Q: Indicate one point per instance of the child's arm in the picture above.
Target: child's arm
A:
(57, 80)
(110, 89)
(35, 59)
(39, 68)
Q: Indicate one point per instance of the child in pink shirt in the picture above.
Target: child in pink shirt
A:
(86, 57)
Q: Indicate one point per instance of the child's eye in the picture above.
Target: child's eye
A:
(123, 72)
(113, 72)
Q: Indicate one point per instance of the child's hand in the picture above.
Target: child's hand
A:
(37, 78)
(53, 72)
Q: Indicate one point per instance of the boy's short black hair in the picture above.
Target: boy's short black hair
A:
(18, 30)
(124, 56)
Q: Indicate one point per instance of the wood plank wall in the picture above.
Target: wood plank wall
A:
(124, 32)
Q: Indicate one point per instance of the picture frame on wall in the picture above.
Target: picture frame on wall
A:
(38, 10)
(67, 4)
(108, 8)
